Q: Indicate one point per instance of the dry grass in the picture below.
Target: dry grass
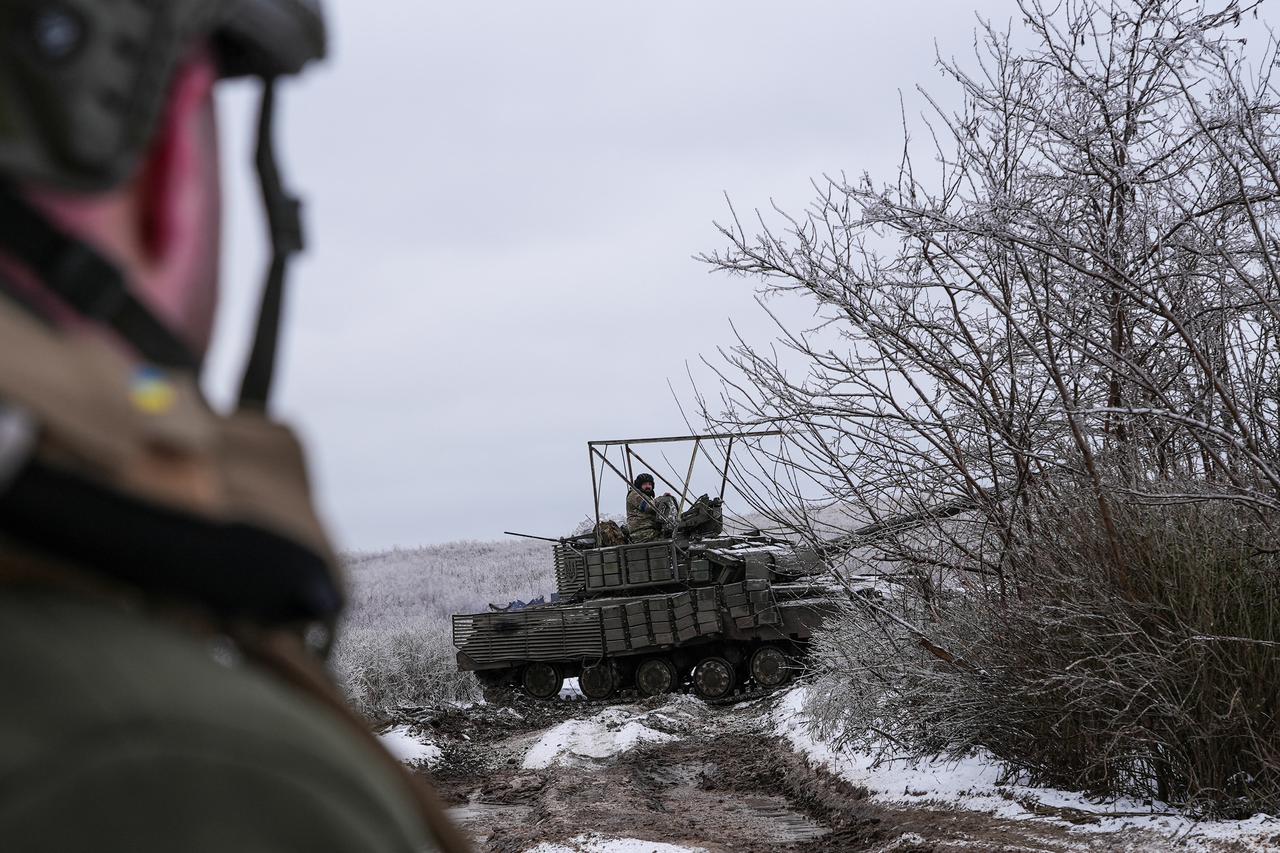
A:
(1147, 667)
(394, 647)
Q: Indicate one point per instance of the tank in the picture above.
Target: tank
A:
(699, 610)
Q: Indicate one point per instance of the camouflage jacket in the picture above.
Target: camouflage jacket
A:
(641, 514)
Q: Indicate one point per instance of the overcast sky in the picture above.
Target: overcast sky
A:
(504, 202)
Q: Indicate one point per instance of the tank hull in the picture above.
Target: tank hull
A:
(696, 607)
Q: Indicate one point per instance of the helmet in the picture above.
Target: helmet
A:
(83, 82)
(642, 479)
(82, 87)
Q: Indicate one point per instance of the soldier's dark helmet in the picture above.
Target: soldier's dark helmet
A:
(83, 84)
(642, 480)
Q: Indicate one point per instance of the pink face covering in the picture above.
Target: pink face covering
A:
(162, 227)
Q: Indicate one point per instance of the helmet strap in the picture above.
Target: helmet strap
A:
(84, 280)
(284, 221)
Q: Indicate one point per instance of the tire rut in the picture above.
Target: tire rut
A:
(725, 784)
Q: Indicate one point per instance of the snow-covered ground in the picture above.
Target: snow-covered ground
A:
(410, 748)
(596, 844)
(564, 777)
(609, 733)
(974, 784)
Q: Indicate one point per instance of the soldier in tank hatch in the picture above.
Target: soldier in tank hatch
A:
(644, 519)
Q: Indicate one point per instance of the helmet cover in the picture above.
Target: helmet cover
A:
(83, 82)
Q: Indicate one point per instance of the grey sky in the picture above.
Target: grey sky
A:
(503, 203)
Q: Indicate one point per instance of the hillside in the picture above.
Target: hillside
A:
(394, 644)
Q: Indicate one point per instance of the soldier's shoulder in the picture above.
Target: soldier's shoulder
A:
(73, 663)
(94, 693)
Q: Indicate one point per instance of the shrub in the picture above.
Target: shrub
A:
(1149, 669)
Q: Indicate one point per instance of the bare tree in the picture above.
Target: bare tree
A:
(1069, 325)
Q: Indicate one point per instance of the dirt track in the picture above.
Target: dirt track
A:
(722, 782)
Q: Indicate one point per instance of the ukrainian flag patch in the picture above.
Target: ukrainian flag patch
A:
(151, 391)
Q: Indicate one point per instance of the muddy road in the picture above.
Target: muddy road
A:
(679, 772)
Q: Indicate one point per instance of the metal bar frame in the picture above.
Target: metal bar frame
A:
(595, 492)
(597, 482)
(724, 478)
(667, 439)
(693, 457)
(612, 467)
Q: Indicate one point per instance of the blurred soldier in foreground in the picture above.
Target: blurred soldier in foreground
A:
(166, 592)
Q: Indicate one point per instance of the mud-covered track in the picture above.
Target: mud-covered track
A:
(719, 779)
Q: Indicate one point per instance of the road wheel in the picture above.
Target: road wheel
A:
(770, 667)
(541, 680)
(655, 677)
(713, 678)
(598, 682)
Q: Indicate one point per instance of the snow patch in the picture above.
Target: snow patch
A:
(973, 783)
(578, 742)
(409, 748)
(593, 843)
